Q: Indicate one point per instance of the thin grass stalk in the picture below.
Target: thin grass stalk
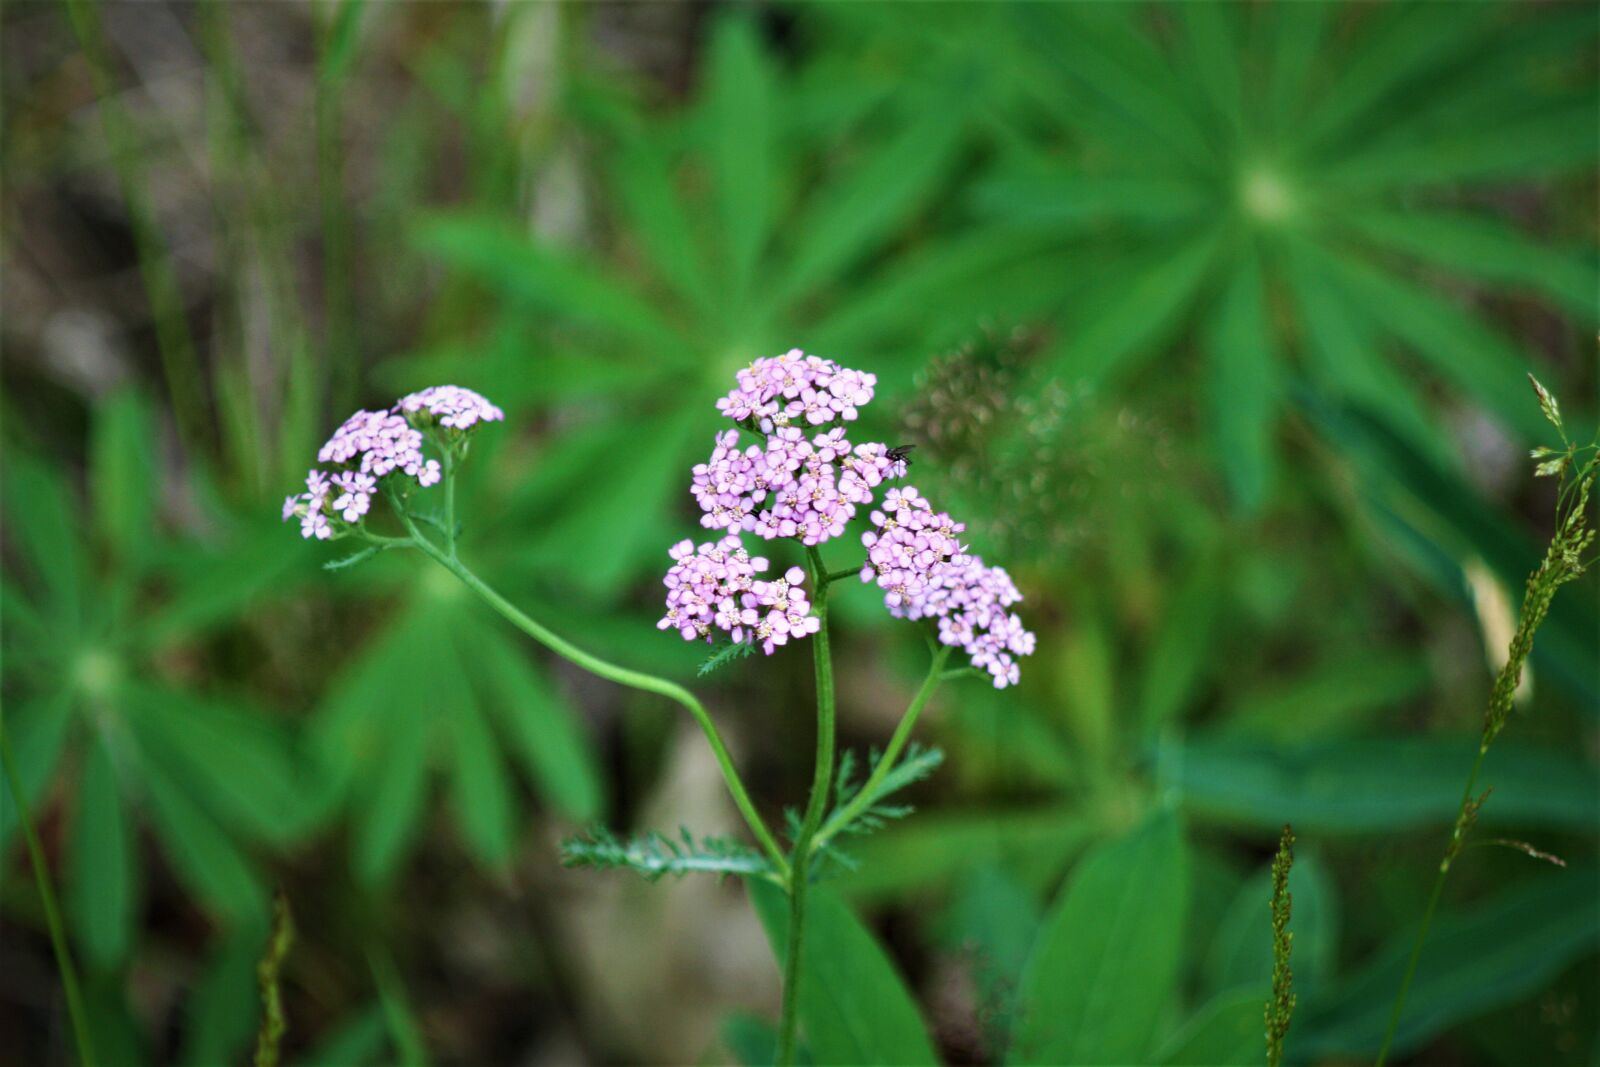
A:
(180, 363)
(52, 911)
(291, 395)
(1564, 561)
(340, 348)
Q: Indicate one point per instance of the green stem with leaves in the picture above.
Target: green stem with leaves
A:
(866, 795)
(821, 785)
(595, 665)
(52, 911)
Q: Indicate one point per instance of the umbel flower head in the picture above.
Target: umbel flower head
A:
(802, 479)
(913, 555)
(715, 587)
(374, 446)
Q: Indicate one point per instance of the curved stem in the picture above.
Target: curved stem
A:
(821, 781)
(902, 734)
(52, 911)
(622, 676)
(1456, 837)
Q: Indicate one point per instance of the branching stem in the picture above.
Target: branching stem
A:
(821, 786)
(902, 734)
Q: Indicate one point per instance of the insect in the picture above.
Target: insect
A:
(900, 454)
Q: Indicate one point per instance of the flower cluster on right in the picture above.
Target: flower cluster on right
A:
(802, 479)
(914, 557)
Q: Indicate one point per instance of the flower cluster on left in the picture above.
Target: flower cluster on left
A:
(373, 447)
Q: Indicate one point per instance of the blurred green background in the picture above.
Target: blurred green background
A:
(1212, 320)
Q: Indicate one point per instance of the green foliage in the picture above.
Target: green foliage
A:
(655, 855)
(1107, 955)
(90, 614)
(992, 921)
(732, 652)
(1484, 954)
(754, 1041)
(1226, 1029)
(856, 813)
(1322, 237)
(709, 275)
(444, 690)
(1303, 161)
(1034, 845)
(1374, 785)
(854, 1006)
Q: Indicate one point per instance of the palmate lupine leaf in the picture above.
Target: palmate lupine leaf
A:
(480, 784)
(1301, 154)
(122, 472)
(1486, 249)
(1132, 314)
(655, 855)
(1395, 51)
(103, 894)
(861, 209)
(690, 282)
(544, 729)
(1244, 384)
(547, 279)
(445, 690)
(738, 101)
(88, 637)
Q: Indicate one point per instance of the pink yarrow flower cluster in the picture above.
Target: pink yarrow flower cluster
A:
(914, 555)
(807, 481)
(715, 588)
(795, 388)
(792, 486)
(372, 445)
(804, 481)
(452, 406)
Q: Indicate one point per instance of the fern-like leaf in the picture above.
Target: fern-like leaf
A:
(354, 558)
(851, 816)
(725, 655)
(654, 854)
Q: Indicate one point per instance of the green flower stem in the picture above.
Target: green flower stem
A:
(834, 576)
(902, 734)
(52, 912)
(622, 676)
(450, 499)
(821, 781)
